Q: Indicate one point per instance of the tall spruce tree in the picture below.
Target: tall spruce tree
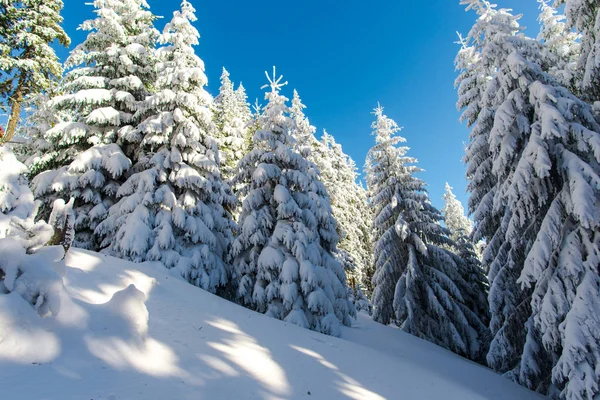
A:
(349, 208)
(284, 256)
(560, 46)
(110, 74)
(495, 37)
(543, 143)
(230, 116)
(304, 132)
(242, 101)
(418, 284)
(584, 16)
(454, 215)
(175, 207)
(28, 64)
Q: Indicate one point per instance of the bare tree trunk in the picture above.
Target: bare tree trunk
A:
(15, 114)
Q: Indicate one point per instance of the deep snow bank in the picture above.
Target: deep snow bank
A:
(133, 331)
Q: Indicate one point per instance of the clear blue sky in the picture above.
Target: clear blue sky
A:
(344, 57)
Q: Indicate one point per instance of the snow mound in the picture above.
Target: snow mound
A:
(134, 331)
(129, 305)
(32, 276)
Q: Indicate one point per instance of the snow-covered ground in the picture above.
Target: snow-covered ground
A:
(133, 331)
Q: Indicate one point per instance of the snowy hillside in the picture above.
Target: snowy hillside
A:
(132, 331)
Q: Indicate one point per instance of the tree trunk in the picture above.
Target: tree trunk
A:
(15, 114)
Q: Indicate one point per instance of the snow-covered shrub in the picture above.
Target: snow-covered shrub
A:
(18, 209)
(31, 275)
(24, 267)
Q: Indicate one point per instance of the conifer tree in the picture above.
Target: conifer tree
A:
(349, 207)
(304, 134)
(560, 46)
(584, 16)
(110, 73)
(230, 117)
(284, 256)
(454, 215)
(496, 38)
(28, 64)
(243, 106)
(544, 146)
(175, 207)
(92, 179)
(418, 284)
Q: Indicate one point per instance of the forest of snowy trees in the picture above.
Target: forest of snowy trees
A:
(122, 150)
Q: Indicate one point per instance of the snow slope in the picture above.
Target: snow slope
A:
(133, 331)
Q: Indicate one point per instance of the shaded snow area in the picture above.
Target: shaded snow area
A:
(133, 331)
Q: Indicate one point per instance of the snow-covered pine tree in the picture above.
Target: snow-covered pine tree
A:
(111, 72)
(544, 143)
(418, 283)
(561, 49)
(175, 207)
(470, 268)
(497, 40)
(242, 101)
(304, 132)
(92, 180)
(41, 118)
(584, 16)
(28, 63)
(471, 84)
(557, 183)
(348, 205)
(338, 173)
(386, 166)
(254, 124)
(284, 256)
(230, 117)
(454, 215)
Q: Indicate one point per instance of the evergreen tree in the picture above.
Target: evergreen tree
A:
(41, 118)
(560, 48)
(284, 256)
(304, 134)
(558, 171)
(243, 106)
(418, 284)
(28, 64)
(231, 118)
(454, 215)
(349, 207)
(174, 208)
(584, 16)
(544, 145)
(496, 38)
(92, 179)
(111, 72)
